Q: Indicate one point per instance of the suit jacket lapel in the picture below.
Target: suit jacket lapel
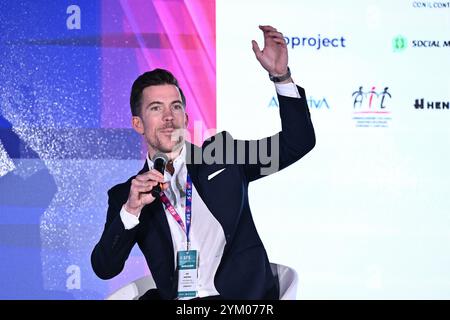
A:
(192, 165)
(212, 191)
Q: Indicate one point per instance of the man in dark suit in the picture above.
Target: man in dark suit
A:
(198, 235)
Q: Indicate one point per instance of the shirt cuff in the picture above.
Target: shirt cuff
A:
(287, 90)
(129, 220)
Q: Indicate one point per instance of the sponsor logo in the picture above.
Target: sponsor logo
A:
(318, 103)
(318, 42)
(371, 107)
(430, 44)
(400, 43)
(431, 4)
(422, 104)
(313, 103)
(372, 101)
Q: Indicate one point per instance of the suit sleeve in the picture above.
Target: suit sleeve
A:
(274, 153)
(109, 255)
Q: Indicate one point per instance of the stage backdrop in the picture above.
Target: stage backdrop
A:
(363, 216)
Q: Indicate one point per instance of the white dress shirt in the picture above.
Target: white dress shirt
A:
(206, 234)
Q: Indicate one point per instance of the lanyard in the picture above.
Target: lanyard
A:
(188, 211)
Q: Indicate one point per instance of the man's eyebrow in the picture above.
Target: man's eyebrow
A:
(160, 102)
(154, 102)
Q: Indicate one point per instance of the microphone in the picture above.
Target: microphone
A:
(159, 164)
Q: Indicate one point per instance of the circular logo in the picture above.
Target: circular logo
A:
(399, 43)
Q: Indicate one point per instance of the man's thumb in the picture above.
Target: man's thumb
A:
(256, 49)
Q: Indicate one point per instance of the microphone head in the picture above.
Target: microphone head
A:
(160, 155)
(159, 162)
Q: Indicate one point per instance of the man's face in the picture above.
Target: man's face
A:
(163, 119)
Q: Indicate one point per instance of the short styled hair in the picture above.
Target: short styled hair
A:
(155, 77)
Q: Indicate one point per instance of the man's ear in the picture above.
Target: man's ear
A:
(137, 124)
(186, 121)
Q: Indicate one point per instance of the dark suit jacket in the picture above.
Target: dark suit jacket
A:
(244, 271)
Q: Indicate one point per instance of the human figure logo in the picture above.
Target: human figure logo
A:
(368, 99)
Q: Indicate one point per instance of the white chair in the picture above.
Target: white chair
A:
(133, 290)
(287, 278)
